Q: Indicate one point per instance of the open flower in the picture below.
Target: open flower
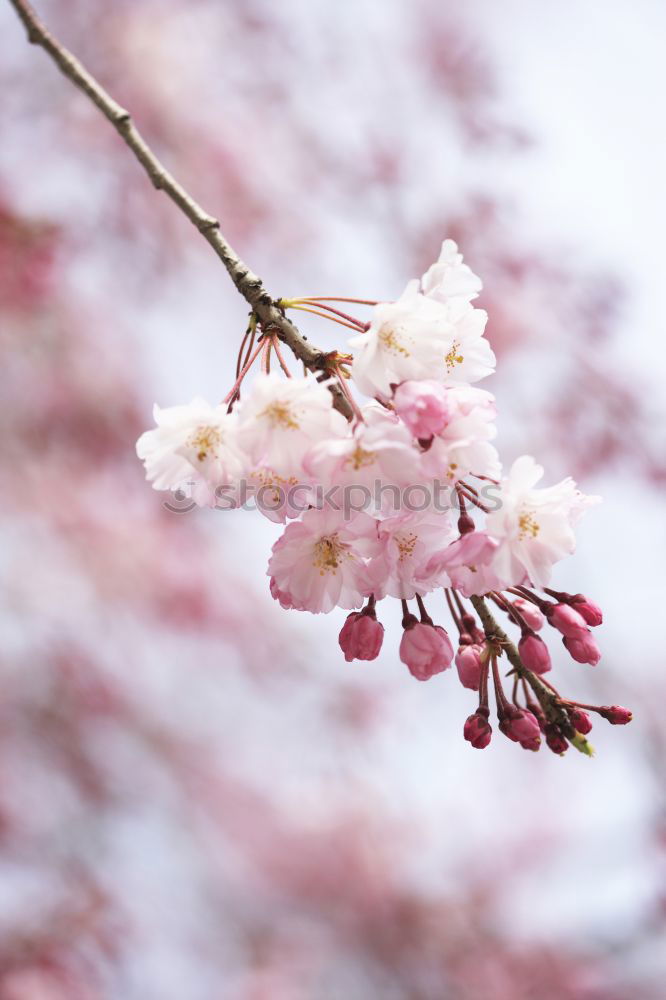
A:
(194, 442)
(534, 527)
(407, 339)
(320, 561)
(281, 419)
(379, 450)
(406, 544)
(418, 337)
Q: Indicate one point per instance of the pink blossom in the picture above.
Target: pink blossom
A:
(469, 665)
(463, 445)
(423, 406)
(425, 649)
(566, 620)
(320, 561)
(406, 542)
(478, 730)
(378, 448)
(453, 564)
(284, 599)
(534, 653)
(533, 617)
(361, 636)
(583, 648)
(281, 419)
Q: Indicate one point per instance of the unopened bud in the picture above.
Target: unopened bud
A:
(530, 613)
(616, 715)
(534, 653)
(583, 648)
(478, 730)
(555, 740)
(581, 721)
(588, 610)
(566, 620)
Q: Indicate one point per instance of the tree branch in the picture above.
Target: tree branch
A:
(248, 284)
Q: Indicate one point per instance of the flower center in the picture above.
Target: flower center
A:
(328, 554)
(280, 415)
(388, 338)
(453, 358)
(406, 545)
(528, 526)
(360, 458)
(204, 440)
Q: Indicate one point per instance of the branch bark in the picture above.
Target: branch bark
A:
(248, 284)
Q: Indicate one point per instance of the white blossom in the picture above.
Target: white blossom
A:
(534, 527)
(194, 442)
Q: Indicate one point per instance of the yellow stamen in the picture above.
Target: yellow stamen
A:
(329, 552)
(527, 525)
(389, 339)
(280, 415)
(360, 458)
(406, 545)
(453, 358)
(205, 439)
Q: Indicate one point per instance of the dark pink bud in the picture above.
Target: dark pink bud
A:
(361, 637)
(566, 620)
(616, 715)
(530, 613)
(468, 662)
(583, 648)
(533, 744)
(555, 740)
(478, 730)
(534, 653)
(425, 649)
(521, 726)
(588, 610)
(581, 721)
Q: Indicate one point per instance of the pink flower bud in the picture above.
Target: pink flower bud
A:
(478, 730)
(423, 406)
(583, 648)
(468, 662)
(532, 744)
(426, 650)
(588, 610)
(566, 620)
(521, 726)
(616, 715)
(530, 613)
(555, 741)
(581, 721)
(361, 637)
(534, 653)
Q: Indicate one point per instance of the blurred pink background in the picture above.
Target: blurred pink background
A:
(199, 799)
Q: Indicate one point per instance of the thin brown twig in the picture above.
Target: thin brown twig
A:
(248, 284)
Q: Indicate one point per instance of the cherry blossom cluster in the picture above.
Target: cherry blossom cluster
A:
(400, 496)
